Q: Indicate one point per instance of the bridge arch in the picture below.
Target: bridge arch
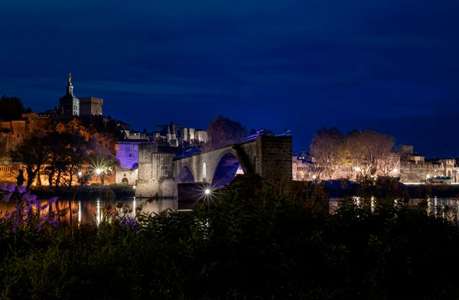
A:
(186, 175)
(226, 168)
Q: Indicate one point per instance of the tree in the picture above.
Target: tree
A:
(369, 152)
(11, 108)
(67, 152)
(102, 164)
(357, 154)
(33, 153)
(328, 152)
(222, 132)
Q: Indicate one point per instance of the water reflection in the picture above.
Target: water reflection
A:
(105, 210)
(447, 208)
(99, 210)
(96, 211)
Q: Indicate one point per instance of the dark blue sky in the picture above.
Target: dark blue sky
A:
(390, 65)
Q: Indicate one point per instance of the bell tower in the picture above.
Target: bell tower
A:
(69, 86)
(69, 105)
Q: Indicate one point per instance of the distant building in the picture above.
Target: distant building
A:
(130, 135)
(416, 169)
(166, 142)
(13, 133)
(127, 154)
(201, 136)
(69, 105)
(182, 137)
(193, 136)
(302, 169)
(172, 135)
(91, 106)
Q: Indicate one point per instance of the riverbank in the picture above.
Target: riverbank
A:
(86, 192)
(385, 187)
(334, 189)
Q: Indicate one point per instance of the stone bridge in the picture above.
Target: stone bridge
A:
(266, 155)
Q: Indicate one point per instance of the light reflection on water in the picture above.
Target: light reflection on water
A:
(447, 208)
(132, 207)
(99, 210)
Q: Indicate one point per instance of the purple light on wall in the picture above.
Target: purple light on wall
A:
(128, 155)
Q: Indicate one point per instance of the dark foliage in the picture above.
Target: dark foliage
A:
(251, 241)
(222, 132)
(86, 192)
(11, 108)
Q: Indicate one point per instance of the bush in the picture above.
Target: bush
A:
(249, 241)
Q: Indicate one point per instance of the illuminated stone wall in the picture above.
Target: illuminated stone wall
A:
(127, 153)
(91, 106)
(155, 173)
(129, 177)
(416, 172)
(9, 172)
(13, 133)
(301, 170)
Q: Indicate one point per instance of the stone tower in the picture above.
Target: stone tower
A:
(69, 105)
(156, 168)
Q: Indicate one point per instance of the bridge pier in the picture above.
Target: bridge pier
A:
(155, 177)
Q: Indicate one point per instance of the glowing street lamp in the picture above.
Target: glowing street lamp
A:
(98, 171)
(207, 192)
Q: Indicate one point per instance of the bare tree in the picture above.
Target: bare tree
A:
(327, 152)
(357, 154)
(369, 151)
(390, 165)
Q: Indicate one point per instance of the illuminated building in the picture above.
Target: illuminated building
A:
(69, 105)
(91, 106)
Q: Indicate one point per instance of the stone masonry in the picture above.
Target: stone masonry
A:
(266, 155)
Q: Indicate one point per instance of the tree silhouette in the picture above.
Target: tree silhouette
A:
(11, 108)
(33, 153)
(222, 132)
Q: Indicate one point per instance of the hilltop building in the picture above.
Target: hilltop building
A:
(91, 106)
(182, 137)
(71, 106)
(13, 133)
(130, 135)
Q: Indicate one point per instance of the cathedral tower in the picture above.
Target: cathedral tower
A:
(69, 105)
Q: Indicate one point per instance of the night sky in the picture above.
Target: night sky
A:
(389, 65)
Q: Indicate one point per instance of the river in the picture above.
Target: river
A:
(97, 210)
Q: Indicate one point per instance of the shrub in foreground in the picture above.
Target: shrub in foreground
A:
(249, 241)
